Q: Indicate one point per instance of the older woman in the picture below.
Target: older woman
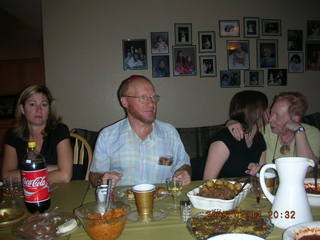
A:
(228, 157)
(285, 135)
(37, 121)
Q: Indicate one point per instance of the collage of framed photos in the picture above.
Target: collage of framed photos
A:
(184, 53)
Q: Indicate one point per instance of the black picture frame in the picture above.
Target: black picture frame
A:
(159, 42)
(184, 60)
(229, 28)
(208, 66)
(295, 40)
(230, 79)
(313, 56)
(253, 78)
(183, 33)
(277, 77)
(313, 29)
(267, 53)
(238, 52)
(134, 54)
(271, 27)
(160, 66)
(207, 41)
(295, 62)
(8, 106)
(251, 27)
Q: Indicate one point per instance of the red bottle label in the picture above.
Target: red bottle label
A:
(35, 185)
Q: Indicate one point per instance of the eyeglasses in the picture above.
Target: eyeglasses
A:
(146, 99)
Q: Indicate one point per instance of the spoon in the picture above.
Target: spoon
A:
(244, 184)
(109, 183)
(315, 175)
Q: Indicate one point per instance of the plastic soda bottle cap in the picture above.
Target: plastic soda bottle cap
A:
(32, 144)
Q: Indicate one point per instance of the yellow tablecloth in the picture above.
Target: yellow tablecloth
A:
(171, 227)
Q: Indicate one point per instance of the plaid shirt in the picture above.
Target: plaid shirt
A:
(119, 149)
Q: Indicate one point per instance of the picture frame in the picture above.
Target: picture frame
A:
(267, 53)
(277, 77)
(271, 27)
(253, 78)
(229, 28)
(238, 52)
(313, 56)
(295, 40)
(183, 33)
(134, 54)
(8, 106)
(207, 41)
(159, 42)
(295, 62)
(208, 66)
(313, 29)
(230, 79)
(251, 27)
(184, 60)
(160, 66)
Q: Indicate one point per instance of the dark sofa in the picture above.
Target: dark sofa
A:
(196, 141)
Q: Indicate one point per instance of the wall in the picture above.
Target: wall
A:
(83, 55)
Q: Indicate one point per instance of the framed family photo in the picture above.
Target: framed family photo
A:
(207, 42)
(229, 28)
(295, 40)
(159, 42)
(295, 62)
(208, 66)
(251, 27)
(160, 66)
(184, 60)
(277, 77)
(134, 54)
(313, 30)
(230, 79)
(271, 27)
(267, 53)
(238, 54)
(313, 56)
(183, 33)
(253, 78)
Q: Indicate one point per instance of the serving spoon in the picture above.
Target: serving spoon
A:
(315, 175)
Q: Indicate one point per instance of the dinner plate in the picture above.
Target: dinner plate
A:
(11, 215)
(291, 232)
(121, 194)
(45, 226)
(158, 214)
(203, 225)
(235, 236)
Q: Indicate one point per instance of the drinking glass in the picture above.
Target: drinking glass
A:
(256, 188)
(174, 187)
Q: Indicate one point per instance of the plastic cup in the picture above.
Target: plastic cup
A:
(270, 179)
(143, 194)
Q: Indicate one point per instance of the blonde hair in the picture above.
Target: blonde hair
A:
(297, 101)
(21, 129)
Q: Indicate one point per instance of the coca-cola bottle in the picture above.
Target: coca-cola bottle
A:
(34, 175)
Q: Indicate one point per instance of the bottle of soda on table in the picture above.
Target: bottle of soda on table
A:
(34, 175)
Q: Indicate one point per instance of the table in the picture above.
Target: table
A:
(171, 227)
(64, 196)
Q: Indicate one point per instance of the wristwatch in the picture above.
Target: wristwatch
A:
(300, 129)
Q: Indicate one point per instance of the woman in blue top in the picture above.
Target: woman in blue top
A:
(228, 157)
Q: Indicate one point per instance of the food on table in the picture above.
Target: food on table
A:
(310, 237)
(108, 226)
(130, 194)
(219, 188)
(4, 217)
(215, 222)
(308, 234)
(67, 226)
(311, 189)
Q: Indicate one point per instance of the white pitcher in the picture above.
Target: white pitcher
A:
(290, 204)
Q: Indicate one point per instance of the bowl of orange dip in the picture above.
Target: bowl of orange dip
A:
(107, 226)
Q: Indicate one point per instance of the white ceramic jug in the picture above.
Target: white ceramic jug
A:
(290, 204)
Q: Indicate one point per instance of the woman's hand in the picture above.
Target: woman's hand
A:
(235, 128)
(253, 169)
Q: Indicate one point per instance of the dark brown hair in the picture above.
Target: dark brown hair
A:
(21, 129)
(248, 107)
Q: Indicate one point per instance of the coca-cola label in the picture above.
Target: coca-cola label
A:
(35, 185)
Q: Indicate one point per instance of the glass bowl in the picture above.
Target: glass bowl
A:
(108, 226)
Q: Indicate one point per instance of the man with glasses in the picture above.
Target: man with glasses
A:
(128, 152)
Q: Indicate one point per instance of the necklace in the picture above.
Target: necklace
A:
(285, 149)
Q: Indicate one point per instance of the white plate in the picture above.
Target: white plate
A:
(290, 233)
(235, 236)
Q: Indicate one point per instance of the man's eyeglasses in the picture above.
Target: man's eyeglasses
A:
(146, 99)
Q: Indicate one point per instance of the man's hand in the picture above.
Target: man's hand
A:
(235, 128)
(115, 176)
(183, 175)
